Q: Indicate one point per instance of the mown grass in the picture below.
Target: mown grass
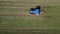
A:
(12, 24)
(29, 32)
(52, 20)
(52, 23)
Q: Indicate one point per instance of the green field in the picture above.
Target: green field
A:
(29, 24)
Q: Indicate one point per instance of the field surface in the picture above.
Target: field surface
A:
(15, 18)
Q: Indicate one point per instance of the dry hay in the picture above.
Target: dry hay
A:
(14, 14)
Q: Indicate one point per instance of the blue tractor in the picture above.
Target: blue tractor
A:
(35, 11)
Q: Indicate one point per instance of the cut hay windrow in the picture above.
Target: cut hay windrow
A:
(14, 14)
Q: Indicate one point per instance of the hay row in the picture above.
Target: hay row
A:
(38, 29)
(14, 14)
